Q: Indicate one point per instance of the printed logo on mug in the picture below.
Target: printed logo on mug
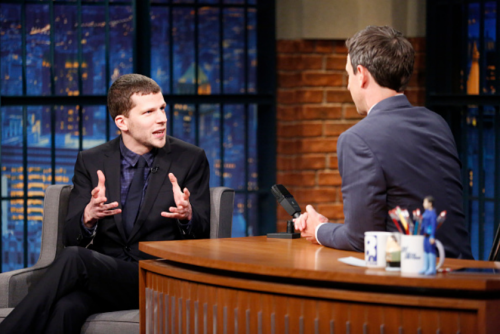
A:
(375, 248)
(412, 253)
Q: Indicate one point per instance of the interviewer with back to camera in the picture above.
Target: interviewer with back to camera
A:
(98, 269)
(396, 156)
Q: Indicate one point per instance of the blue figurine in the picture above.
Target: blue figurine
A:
(428, 229)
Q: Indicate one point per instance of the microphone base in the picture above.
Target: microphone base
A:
(283, 235)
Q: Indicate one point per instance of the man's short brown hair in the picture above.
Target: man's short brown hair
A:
(121, 91)
(385, 53)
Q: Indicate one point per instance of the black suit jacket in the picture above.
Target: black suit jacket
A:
(187, 162)
(396, 156)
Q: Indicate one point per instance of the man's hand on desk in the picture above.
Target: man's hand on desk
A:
(308, 222)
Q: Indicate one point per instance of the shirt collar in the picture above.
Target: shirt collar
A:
(379, 102)
(131, 158)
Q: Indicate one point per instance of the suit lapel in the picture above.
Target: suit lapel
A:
(155, 183)
(112, 164)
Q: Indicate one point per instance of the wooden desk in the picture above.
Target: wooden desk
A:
(260, 285)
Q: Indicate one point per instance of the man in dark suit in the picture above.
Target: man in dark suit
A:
(141, 186)
(396, 156)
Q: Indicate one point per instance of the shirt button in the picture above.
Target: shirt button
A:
(127, 248)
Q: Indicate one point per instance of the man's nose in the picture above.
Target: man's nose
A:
(162, 118)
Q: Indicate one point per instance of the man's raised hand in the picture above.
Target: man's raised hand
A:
(97, 209)
(182, 209)
(308, 222)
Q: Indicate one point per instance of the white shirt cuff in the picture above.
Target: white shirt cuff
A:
(316, 232)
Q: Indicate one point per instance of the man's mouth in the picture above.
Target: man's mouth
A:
(159, 133)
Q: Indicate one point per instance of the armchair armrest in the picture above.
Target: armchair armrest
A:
(14, 285)
(221, 212)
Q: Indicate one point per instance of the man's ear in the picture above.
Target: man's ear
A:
(121, 122)
(364, 76)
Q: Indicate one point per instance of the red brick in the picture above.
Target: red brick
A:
(310, 161)
(416, 96)
(281, 225)
(289, 62)
(309, 96)
(297, 179)
(331, 211)
(287, 46)
(333, 162)
(288, 96)
(308, 196)
(286, 146)
(282, 214)
(329, 179)
(285, 163)
(287, 113)
(336, 62)
(288, 80)
(338, 96)
(335, 129)
(417, 80)
(312, 62)
(321, 112)
(419, 62)
(321, 79)
(300, 130)
(350, 112)
(305, 46)
(418, 43)
(317, 145)
(339, 47)
(324, 46)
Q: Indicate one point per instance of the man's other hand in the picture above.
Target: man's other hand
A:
(308, 222)
(97, 209)
(183, 210)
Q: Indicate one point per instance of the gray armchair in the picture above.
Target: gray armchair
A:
(16, 284)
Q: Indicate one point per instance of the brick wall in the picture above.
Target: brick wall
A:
(313, 108)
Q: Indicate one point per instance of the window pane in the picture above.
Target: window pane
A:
(234, 46)
(473, 221)
(208, 48)
(489, 150)
(93, 50)
(66, 50)
(160, 1)
(182, 1)
(473, 55)
(235, 1)
(120, 41)
(488, 229)
(94, 126)
(208, 1)
(160, 47)
(184, 122)
(10, 46)
(239, 223)
(252, 50)
(252, 147)
(234, 146)
(252, 2)
(38, 60)
(209, 133)
(473, 151)
(67, 142)
(490, 60)
(184, 66)
(12, 235)
(253, 217)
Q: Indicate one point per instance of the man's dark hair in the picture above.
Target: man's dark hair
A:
(385, 53)
(430, 199)
(121, 91)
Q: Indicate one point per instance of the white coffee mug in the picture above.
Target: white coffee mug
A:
(375, 242)
(412, 253)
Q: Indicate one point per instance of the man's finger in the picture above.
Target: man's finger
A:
(173, 179)
(102, 179)
(95, 192)
(310, 209)
(186, 194)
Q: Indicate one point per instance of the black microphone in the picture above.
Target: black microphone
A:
(154, 169)
(286, 200)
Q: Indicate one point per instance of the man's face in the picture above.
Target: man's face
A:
(353, 85)
(146, 124)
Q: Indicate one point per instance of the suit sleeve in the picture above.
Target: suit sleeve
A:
(364, 195)
(78, 200)
(197, 182)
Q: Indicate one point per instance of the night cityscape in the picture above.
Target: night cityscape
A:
(53, 132)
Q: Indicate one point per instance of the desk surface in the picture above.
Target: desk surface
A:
(300, 259)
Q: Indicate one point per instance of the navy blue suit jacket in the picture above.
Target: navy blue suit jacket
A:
(396, 156)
